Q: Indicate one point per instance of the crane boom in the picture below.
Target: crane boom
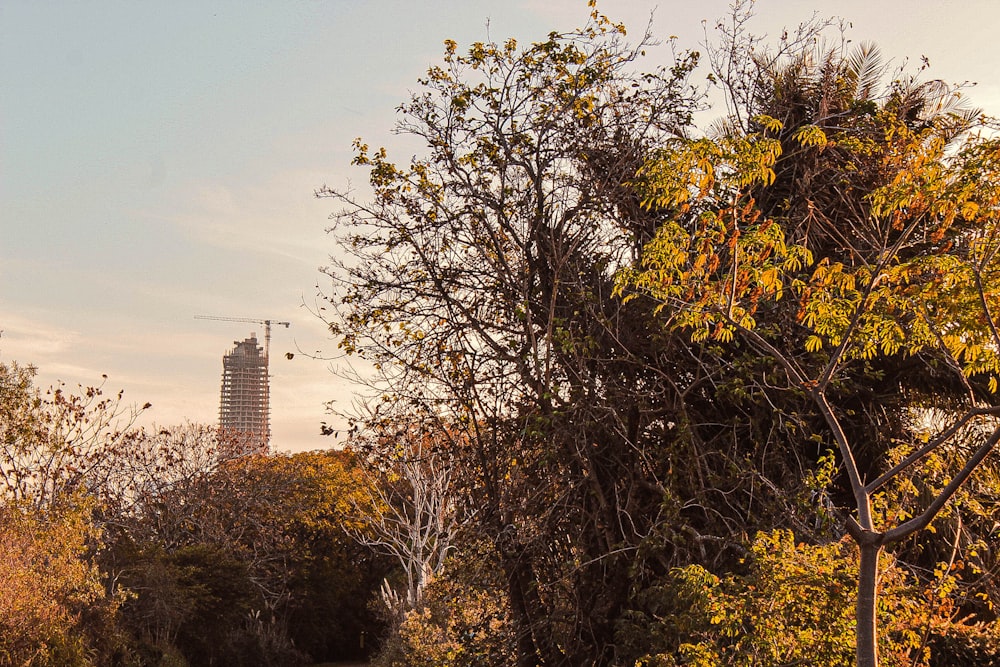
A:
(267, 326)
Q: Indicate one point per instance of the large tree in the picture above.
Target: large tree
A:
(847, 235)
(478, 280)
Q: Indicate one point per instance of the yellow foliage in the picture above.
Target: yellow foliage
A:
(47, 584)
(810, 135)
(794, 605)
(720, 271)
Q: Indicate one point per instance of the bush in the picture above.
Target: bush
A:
(463, 622)
(794, 605)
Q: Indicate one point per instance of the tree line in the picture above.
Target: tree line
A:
(172, 546)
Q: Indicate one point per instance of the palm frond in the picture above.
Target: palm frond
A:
(866, 65)
(724, 128)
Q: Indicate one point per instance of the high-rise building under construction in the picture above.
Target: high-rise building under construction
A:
(244, 408)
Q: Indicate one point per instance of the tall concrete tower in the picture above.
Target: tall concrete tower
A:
(244, 408)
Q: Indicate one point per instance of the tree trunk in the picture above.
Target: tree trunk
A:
(532, 642)
(867, 649)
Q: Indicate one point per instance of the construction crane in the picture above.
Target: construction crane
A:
(267, 327)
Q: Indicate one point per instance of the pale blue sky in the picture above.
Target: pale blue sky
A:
(158, 159)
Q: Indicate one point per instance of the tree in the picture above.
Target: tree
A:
(54, 609)
(53, 444)
(849, 240)
(410, 512)
(478, 281)
(149, 465)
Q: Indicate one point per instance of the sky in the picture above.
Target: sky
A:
(158, 161)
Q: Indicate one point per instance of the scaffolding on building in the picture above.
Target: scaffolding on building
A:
(244, 409)
(245, 400)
